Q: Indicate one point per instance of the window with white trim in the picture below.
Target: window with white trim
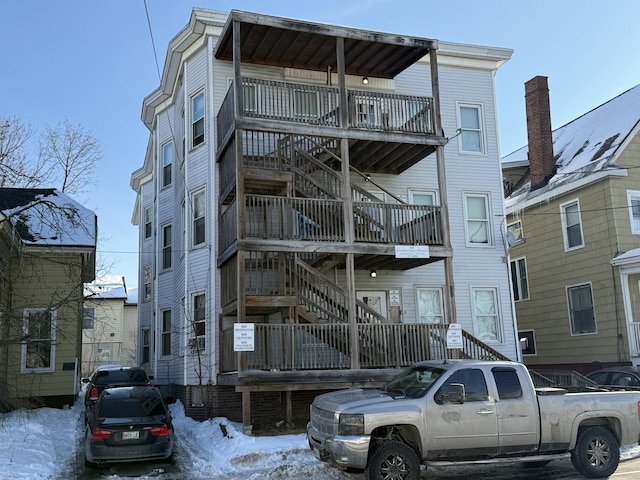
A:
(103, 355)
(199, 326)
(633, 200)
(197, 119)
(147, 283)
(571, 225)
(166, 332)
(516, 230)
(485, 313)
(430, 306)
(148, 222)
(38, 348)
(88, 318)
(146, 345)
(476, 210)
(167, 240)
(198, 203)
(423, 197)
(519, 281)
(582, 315)
(470, 124)
(167, 162)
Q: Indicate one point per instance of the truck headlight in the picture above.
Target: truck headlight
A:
(351, 424)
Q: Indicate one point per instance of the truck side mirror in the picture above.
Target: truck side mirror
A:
(456, 393)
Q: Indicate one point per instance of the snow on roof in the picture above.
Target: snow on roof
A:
(585, 145)
(45, 216)
(132, 296)
(105, 287)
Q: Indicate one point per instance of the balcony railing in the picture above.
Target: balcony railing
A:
(319, 105)
(327, 346)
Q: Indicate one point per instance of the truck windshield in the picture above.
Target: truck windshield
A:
(414, 382)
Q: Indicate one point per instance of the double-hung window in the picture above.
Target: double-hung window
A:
(470, 124)
(478, 228)
(485, 313)
(581, 311)
(197, 120)
(167, 161)
(147, 283)
(88, 318)
(166, 247)
(430, 305)
(571, 225)
(199, 211)
(38, 348)
(166, 332)
(516, 230)
(633, 200)
(146, 345)
(148, 222)
(519, 280)
(199, 322)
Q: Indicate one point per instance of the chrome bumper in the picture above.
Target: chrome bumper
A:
(340, 451)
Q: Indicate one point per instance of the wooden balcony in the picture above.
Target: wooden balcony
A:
(293, 347)
(388, 132)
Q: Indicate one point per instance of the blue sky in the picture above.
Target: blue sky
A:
(92, 62)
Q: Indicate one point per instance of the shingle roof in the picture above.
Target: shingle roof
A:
(584, 146)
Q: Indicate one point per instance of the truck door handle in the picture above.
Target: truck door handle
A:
(484, 412)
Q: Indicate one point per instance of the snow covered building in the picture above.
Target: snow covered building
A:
(573, 205)
(109, 324)
(47, 251)
(298, 231)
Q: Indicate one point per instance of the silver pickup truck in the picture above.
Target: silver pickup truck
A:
(439, 413)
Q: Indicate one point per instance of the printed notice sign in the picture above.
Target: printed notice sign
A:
(243, 337)
(412, 251)
(454, 336)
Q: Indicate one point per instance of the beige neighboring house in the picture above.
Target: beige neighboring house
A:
(109, 323)
(47, 252)
(573, 222)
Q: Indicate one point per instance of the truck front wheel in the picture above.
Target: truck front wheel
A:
(393, 460)
(597, 453)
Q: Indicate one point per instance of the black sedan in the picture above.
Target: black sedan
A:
(128, 424)
(617, 378)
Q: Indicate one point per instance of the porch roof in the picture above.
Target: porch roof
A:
(284, 42)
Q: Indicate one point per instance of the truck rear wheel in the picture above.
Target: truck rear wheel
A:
(597, 453)
(393, 460)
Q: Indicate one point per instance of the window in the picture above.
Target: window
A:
(103, 355)
(516, 230)
(430, 306)
(571, 225)
(147, 222)
(507, 382)
(477, 217)
(475, 386)
(519, 281)
(88, 318)
(197, 120)
(305, 103)
(581, 311)
(633, 200)
(485, 314)
(38, 350)
(167, 161)
(147, 283)
(166, 332)
(199, 323)
(199, 211)
(527, 342)
(471, 139)
(146, 345)
(423, 198)
(166, 247)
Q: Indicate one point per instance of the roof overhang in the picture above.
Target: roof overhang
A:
(283, 42)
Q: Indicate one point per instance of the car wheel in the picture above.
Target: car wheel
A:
(393, 460)
(597, 453)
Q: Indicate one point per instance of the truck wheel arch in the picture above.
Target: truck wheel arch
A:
(407, 434)
(612, 423)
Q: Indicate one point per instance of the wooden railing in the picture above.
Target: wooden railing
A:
(319, 105)
(320, 296)
(327, 346)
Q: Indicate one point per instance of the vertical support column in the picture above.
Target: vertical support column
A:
(237, 73)
(246, 412)
(450, 303)
(288, 409)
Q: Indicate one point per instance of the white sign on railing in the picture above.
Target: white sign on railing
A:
(412, 251)
(454, 336)
(243, 337)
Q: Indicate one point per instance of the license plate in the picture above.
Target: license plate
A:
(130, 435)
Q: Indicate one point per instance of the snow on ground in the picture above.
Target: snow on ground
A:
(44, 444)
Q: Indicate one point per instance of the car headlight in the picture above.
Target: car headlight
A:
(351, 424)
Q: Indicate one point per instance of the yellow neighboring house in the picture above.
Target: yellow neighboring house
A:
(573, 223)
(109, 323)
(47, 253)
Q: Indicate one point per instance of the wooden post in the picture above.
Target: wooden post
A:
(246, 412)
(288, 409)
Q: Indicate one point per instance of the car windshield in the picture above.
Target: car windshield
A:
(112, 377)
(415, 381)
(117, 407)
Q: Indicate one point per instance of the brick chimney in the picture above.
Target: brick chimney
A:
(542, 165)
